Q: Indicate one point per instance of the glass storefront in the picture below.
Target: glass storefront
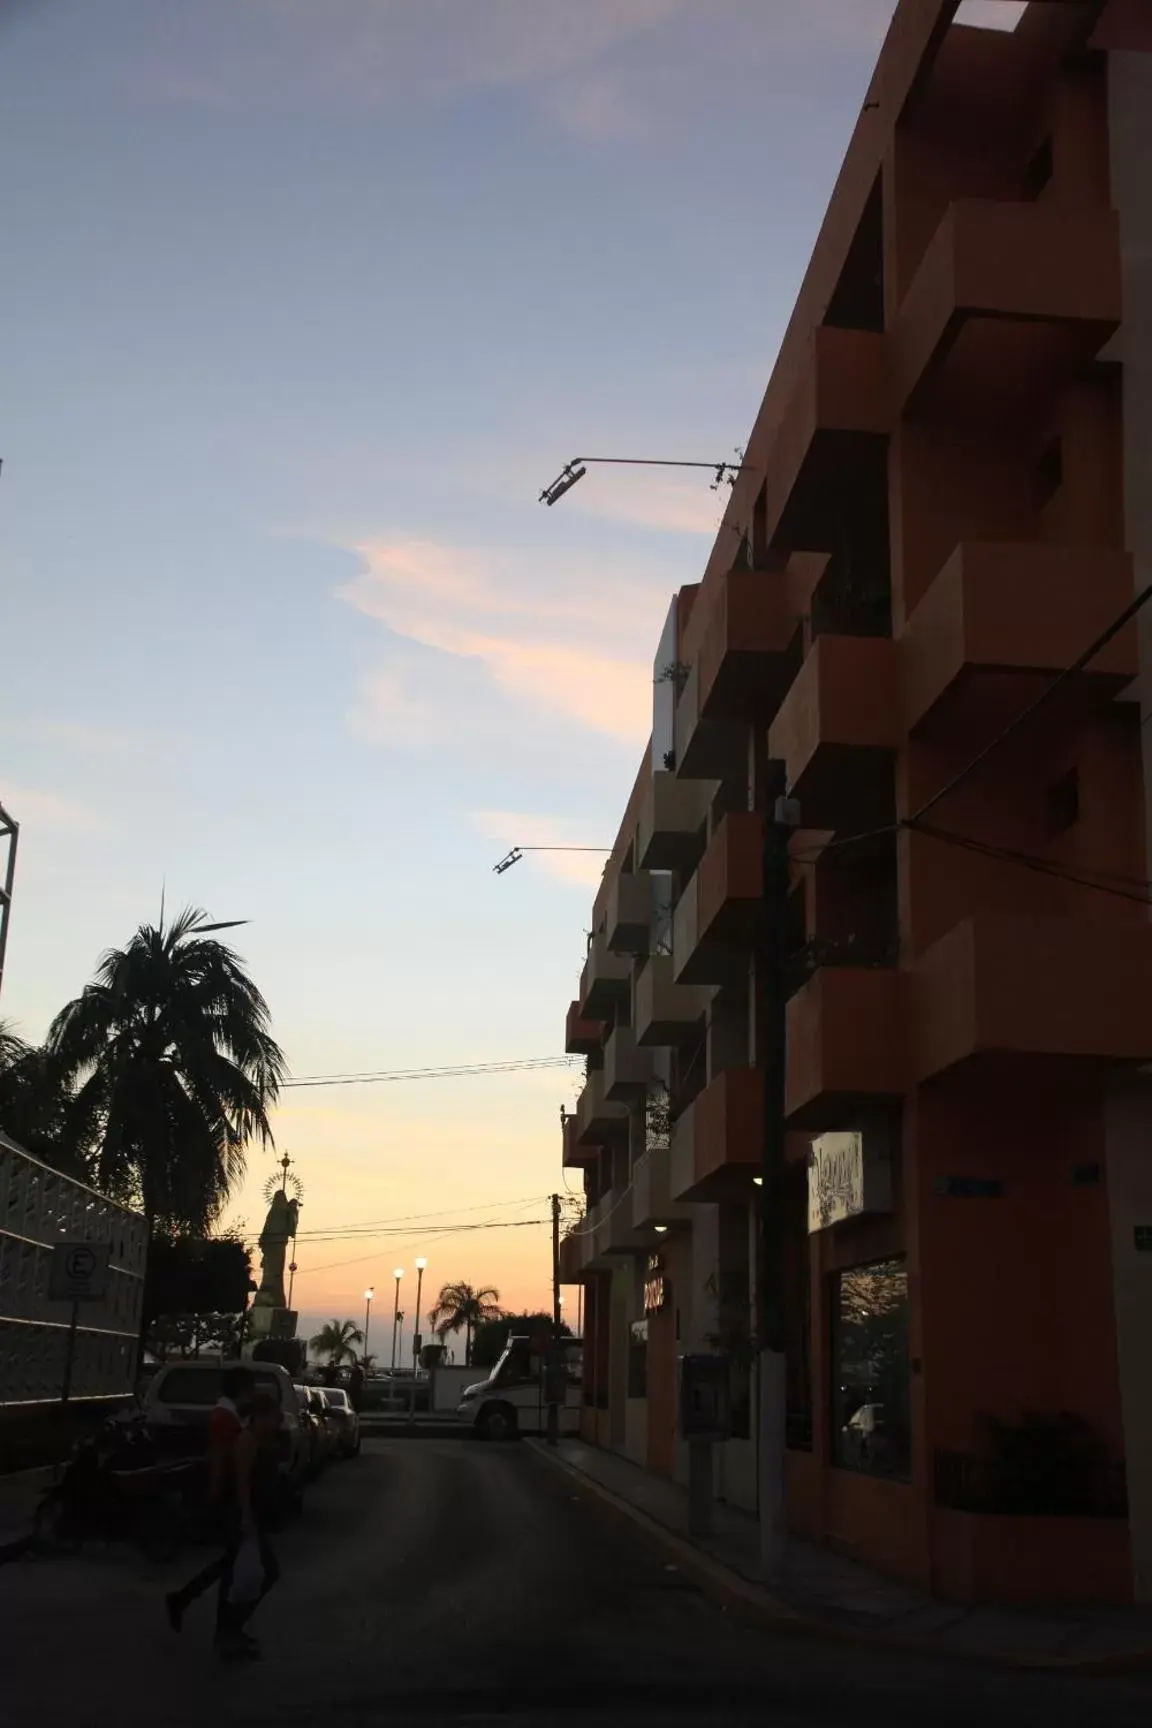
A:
(871, 1417)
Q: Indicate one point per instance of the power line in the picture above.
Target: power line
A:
(1028, 861)
(518, 1065)
(362, 1259)
(429, 1218)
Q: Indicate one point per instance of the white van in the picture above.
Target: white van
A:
(513, 1399)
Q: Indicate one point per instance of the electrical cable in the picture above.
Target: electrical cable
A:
(1026, 861)
(1078, 665)
(518, 1065)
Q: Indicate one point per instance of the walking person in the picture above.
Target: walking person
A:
(224, 1430)
(250, 1566)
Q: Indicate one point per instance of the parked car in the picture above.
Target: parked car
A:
(343, 1421)
(315, 1427)
(178, 1406)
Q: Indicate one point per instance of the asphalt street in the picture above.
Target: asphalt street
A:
(448, 1581)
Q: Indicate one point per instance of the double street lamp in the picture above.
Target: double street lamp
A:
(396, 1315)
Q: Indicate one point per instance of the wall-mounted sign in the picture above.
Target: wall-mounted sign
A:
(848, 1174)
(656, 1288)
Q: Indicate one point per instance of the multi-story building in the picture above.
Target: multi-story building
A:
(946, 501)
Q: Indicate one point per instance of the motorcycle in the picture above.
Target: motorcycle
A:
(114, 1488)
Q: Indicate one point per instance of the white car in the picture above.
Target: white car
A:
(513, 1400)
(182, 1395)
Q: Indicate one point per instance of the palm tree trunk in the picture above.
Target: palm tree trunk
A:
(468, 1344)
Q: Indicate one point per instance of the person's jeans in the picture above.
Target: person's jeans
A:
(232, 1617)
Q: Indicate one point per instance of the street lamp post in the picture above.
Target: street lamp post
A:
(416, 1339)
(397, 1274)
(368, 1295)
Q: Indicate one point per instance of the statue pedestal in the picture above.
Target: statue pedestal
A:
(271, 1323)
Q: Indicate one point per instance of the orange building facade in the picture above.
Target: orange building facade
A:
(947, 499)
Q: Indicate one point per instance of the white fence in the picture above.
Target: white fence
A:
(40, 1207)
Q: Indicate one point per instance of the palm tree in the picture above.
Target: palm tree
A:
(34, 1103)
(175, 1068)
(336, 1340)
(459, 1306)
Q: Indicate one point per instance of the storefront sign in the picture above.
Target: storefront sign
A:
(655, 1285)
(848, 1174)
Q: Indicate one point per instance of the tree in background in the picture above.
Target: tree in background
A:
(461, 1308)
(196, 1295)
(34, 1101)
(175, 1070)
(493, 1335)
(336, 1340)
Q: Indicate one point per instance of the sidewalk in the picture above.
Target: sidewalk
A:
(824, 1592)
(19, 1497)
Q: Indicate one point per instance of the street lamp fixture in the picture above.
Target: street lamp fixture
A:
(564, 482)
(518, 852)
(578, 467)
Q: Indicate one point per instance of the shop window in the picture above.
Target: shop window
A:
(871, 1416)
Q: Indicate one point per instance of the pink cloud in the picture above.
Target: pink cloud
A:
(578, 647)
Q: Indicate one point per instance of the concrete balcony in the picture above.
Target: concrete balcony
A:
(718, 1142)
(571, 1259)
(1009, 300)
(629, 914)
(742, 645)
(830, 437)
(598, 1118)
(671, 816)
(652, 1201)
(846, 1043)
(665, 1012)
(620, 1234)
(1043, 987)
(605, 982)
(581, 1037)
(716, 915)
(997, 625)
(575, 1155)
(628, 1067)
(837, 731)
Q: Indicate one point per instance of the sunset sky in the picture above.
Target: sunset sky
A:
(303, 302)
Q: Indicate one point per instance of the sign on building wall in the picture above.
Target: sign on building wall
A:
(849, 1174)
(656, 1291)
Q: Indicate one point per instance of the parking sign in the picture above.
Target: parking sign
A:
(79, 1272)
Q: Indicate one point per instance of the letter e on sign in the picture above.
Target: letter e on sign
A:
(79, 1272)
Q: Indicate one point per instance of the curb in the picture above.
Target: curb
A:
(728, 1588)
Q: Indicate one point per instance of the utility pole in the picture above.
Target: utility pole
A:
(552, 1373)
(780, 817)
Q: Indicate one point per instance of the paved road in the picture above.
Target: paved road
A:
(445, 1581)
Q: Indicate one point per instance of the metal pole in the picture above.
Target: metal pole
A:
(771, 1055)
(367, 1317)
(553, 1373)
(10, 831)
(416, 1328)
(395, 1324)
(70, 1352)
